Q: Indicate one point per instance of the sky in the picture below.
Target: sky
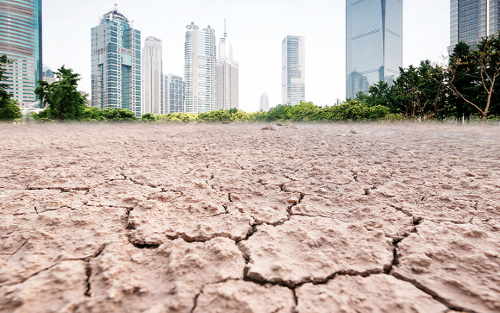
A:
(256, 29)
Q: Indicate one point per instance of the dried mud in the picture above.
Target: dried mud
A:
(241, 218)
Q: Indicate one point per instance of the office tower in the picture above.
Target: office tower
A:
(174, 94)
(116, 63)
(374, 38)
(264, 102)
(152, 75)
(473, 19)
(21, 42)
(293, 71)
(48, 75)
(227, 76)
(200, 59)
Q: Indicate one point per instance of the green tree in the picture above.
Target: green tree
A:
(8, 108)
(62, 97)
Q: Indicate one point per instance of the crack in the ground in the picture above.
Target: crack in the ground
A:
(17, 250)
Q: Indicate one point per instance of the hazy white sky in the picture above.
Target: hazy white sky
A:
(256, 29)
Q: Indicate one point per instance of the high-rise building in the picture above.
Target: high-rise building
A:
(264, 102)
(473, 19)
(200, 77)
(116, 63)
(48, 75)
(174, 94)
(152, 75)
(21, 42)
(374, 38)
(293, 70)
(227, 76)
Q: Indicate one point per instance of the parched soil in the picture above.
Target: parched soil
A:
(233, 218)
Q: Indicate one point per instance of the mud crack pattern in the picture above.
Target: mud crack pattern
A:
(230, 218)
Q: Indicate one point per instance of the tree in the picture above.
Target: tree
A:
(483, 65)
(8, 107)
(62, 97)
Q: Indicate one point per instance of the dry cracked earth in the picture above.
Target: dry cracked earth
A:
(233, 218)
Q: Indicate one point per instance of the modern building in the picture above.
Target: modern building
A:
(174, 94)
(116, 63)
(21, 42)
(200, 59)
(473, 19)
(374, 43)
(152, 76)
(227, 76)
(293, 70)
(48, 75)
(264, 102)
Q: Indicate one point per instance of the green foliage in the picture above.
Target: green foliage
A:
(148, 117)
(224, 116)
(177, 118)
(62, 97)
(9, 109)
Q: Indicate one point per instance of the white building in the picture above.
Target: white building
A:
(174, 94)
(227, 76)
(152, 75)
(200, 76)
(264, 102)
(293, 74)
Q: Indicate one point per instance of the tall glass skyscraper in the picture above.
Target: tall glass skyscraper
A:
(374, 43)
(152, 66)
(116, 63)
(227, 76)
(293, 70)
(473, 19)
(200, 59)
(21, 41)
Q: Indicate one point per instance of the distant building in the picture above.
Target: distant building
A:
(473, 19)
(293, 89)
(21, 41)
(174, 94)
(116, 63)
(227, 76)
(374, 38)
(152, 75)
(200, 76)
(264, 102)
(48, 75)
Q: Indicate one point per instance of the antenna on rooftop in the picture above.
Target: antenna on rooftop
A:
(225, 32)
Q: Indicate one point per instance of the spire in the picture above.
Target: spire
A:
(225, 32)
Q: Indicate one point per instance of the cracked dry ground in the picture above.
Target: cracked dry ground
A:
(231, 218)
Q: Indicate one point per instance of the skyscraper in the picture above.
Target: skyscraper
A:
(227, 75)
(48, 75)
(200, 59)
(293, 71)
(152, 74)
(473, 19)
(116, 63)
(174, 94)
(21, 41)
(374, 38)
(264, 102)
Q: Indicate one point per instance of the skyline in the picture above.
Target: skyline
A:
(257, 31)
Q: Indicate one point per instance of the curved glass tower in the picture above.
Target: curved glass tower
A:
(374, 43)
(21, 41)
(116, 63)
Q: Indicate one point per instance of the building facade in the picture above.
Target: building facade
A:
(293, 70)
(473, 19)
(374, 43)
(21, 42)
(264, 102)
(152, 76)
(227, 76)
(116, 63)
(48, 75)
(174, 94)
(200, 75)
